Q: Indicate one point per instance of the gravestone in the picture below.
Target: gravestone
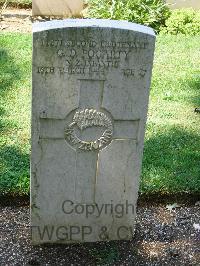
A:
(64, 8)
(91, 82)
(174, 4)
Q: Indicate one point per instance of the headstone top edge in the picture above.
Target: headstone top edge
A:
(96, 23)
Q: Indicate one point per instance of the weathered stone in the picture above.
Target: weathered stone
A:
(65, 8)
(183, 4)
(91, 82)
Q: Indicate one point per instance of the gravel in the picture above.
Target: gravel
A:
(163, 237)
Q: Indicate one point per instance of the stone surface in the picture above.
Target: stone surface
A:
(91, 82)
(66, 8)
(183, 3)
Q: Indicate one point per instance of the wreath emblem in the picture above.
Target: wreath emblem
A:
(89, 118)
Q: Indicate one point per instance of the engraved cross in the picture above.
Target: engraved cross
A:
(87, 130)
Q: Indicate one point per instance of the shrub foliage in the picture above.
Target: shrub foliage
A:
(185, 21)
(152, 13)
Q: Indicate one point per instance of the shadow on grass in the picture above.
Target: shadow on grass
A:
(194, 88)
(14, 164)
(5, 125)
(2, 113)
(9, 73)
(14, 170)
(171, 162)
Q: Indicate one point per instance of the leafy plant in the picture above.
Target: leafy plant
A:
(152, 13)
(105, 255)
(185, 21)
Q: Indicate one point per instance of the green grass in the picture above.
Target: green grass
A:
(15, 77)
(17, 2)
(172, 146)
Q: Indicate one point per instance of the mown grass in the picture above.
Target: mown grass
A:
(15, 78)
(172, 145)
(171, 161)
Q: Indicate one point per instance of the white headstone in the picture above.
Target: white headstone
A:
(183, 4)
(64, 8)
(91, 82)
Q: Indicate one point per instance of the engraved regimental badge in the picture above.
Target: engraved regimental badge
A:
(89, 118)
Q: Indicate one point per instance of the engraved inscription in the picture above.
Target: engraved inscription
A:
(89, 57)
(46, 70)
(136, 44)
(139, 73)
(89, 118)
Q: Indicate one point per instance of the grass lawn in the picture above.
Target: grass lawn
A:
(172, 146)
